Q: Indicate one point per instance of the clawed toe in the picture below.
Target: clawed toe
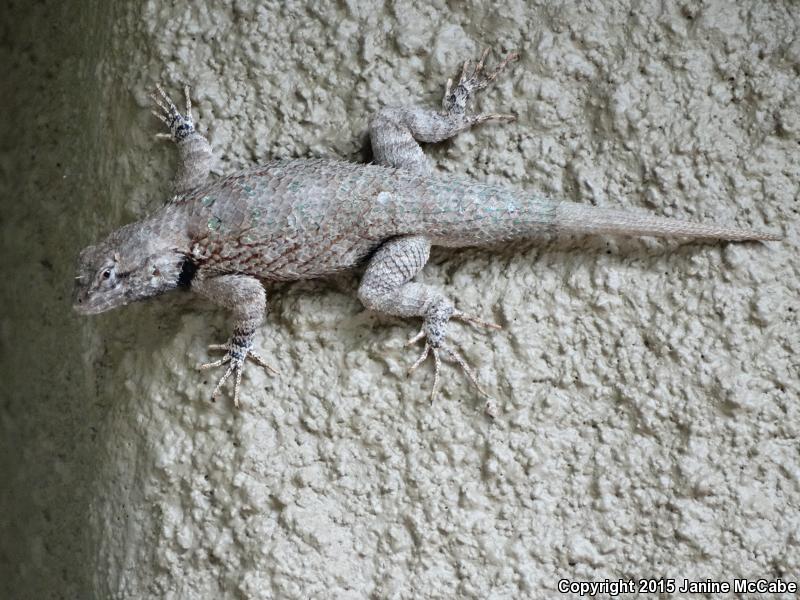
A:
(437, 366)
(475, 80)
(440, 351)
(233, 367)
(459, 360)
(165, 103)
(180, 125)
(256, 358)
(473, 320)
(416, 338)
(451, 355)
(216, 363)
(222, 380)
(455, 99)
(235, 364)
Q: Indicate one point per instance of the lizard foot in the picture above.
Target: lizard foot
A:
(180, 125)
(455, 99)
(435, 346)
(235, 357)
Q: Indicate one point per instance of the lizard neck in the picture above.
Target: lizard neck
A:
(163, 247)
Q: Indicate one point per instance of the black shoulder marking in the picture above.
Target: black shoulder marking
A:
(188, 270)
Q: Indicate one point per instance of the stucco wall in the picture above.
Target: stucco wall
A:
(648, 391)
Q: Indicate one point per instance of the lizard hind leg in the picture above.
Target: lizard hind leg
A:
(387, 288)
(396, 131)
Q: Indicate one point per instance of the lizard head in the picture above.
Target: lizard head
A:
(129, 265)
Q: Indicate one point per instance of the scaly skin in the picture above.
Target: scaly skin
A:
(304, 219)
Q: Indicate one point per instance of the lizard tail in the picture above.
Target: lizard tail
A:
(578, 218)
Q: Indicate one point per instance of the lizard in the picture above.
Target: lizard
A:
(300, 219)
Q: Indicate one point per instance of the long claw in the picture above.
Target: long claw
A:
(475, 320)
(479, 66)
(447, 87)
(466, 368)
(464, 70)
(416, 338)
(159, 103)
(437, 367)
(236, 386)
(216, 363)
(222, 380)
(512, 56)
(256, 358)
(166, 98)
(235, 367)
(188, 101)
(421, 358)
(159, 116)
(496, 117)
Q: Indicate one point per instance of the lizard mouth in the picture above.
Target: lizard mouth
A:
(85, 303)
(83, 306)
(84, 309)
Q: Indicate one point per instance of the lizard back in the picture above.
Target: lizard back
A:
(288, 220)
(299, 219)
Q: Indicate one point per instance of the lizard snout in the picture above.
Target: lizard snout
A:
(80, 300)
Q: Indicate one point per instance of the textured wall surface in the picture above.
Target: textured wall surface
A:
(648, 391)
(57, 162)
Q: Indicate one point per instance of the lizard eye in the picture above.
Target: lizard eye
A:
(106, 276)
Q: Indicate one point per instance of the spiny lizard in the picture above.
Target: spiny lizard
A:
(304, 219)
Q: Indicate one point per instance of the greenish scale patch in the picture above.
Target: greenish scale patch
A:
(214, 223)
(493, 213)
(295, 186)
(248, 190)
(447, 187)
(349, 184)
(255, 215)
(248, 239)
(302, 213)
(208, 201)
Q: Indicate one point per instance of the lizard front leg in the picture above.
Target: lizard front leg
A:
(387, 287)
(194, 151)
(245, 296)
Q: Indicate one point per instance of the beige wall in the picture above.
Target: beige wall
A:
(648, 391)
